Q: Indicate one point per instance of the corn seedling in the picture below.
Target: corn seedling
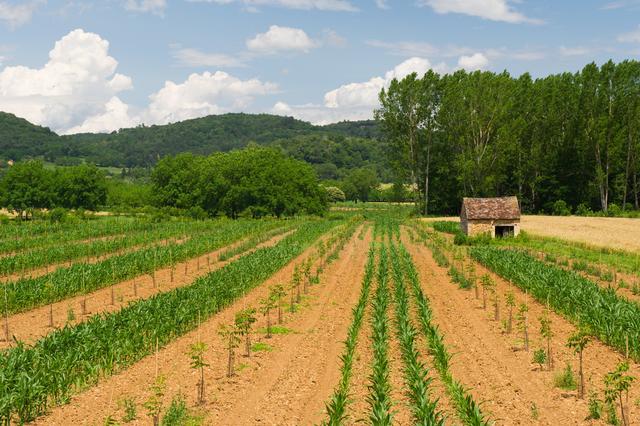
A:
(565, 379)
(595, 406)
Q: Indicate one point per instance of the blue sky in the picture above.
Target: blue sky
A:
(80, 66)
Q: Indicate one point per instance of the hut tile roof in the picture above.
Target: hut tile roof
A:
(490, 208)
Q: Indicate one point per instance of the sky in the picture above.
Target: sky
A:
(98, 66)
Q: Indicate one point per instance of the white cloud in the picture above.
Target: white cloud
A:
(279, 39)
(204, 94)
(355, 101)
(382, 4)
(115, 116)
(78, 81)
(15, 15)
(332, 38)
(630, 37)
(405, 48)
(474, 62)
(148, 6)
(253, 5)
(574, 51)
(190, 57)
(494, 10)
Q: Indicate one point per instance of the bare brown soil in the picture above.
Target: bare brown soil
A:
(494, 365)
(34, 324)
(287, 385)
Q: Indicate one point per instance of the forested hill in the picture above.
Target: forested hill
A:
(21, 139)
(330, 149)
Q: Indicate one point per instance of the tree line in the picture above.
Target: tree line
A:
(252, 182)
(570, 137)
(29, 185)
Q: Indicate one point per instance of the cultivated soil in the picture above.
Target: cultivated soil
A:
(494, 365)
(287, 385)
(31, 325)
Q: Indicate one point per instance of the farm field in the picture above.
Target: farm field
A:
(361, 317)
(613, 232)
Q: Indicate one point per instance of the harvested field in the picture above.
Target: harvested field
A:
(612, 232)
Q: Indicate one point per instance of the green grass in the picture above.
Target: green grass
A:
(581, 253)
(277, 329)
(261, 347)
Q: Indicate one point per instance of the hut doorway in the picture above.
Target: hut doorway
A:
(505, 231)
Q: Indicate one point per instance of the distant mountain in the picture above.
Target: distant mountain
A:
(20, 139)
(332, 149)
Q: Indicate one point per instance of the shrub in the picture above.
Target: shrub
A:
(614, 210)
(58, 215)
(560, 208)
(583, 210)
(335, 194)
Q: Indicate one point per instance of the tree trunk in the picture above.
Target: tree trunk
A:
(581, 393)
(426, 181)
(248, 344)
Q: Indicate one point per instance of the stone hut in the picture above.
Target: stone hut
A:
(498, 216)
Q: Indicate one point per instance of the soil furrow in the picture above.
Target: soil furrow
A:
(36, 323)
(494, 364)
(95, 404)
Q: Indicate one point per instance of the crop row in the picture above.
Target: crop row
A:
(62, 252)
(424, 408)
(336, 407)
(613, 319)
(28, 293)
(467, 409)
(49, 235)
(75, 357)
(379, 397)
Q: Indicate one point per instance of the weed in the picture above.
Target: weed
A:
(595, 407)
(261, 347)
(535, 414)
(130, 410)
(540, 357)
(565, 379)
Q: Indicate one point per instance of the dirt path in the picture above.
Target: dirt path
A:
(294, 385)
(34, 324)
(294, 364)
(492, 362)
(44, 270)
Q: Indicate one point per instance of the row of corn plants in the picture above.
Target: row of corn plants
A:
(337, 405)
(251, 242)
(72, 358)
(29, 293)
(467, 409)
(50, 235)
(62, 252)
(379, 397)
(424, 408)
(611, 318)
